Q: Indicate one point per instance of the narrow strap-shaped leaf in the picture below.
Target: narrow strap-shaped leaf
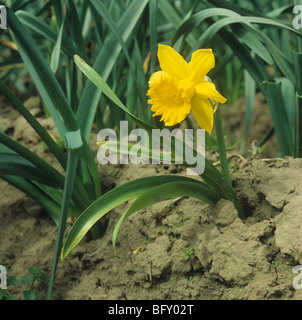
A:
(172, 16)
(57, 7)
(259, 74)
(36, 193)
(48, 170)
(101, 9)
(110, 200)
(104, 63)
(51, 91)
(221, 146)
(236, 8)
(43, 29)
(289, 98)
(273, 94)
(211, 175)
(247, 12)
(117, 33)
(44, 135)
(48, 86)
(75, 26)
(13, 164)
(93, 76)
(251, 40)
(297, 60)
(254, 42)
(73, 156)
(250, 92)
(298, 129)
(153, 14)
(164, 192)
(56, 52)
(214, 179)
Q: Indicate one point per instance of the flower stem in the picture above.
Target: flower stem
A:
(221, 147)
(214, 179)
(221, 181)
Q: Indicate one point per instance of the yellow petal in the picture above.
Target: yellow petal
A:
(203, 112)
(172, 62)
(207, 90)
(157, 77)
(201, 63)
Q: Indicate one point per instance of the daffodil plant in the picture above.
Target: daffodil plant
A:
(87, 29)
(175, 90)
(183, 87)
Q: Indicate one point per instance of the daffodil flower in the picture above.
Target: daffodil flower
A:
(182, 87)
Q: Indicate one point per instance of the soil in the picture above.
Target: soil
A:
(230, 259)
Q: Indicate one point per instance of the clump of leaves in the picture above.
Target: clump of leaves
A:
(188, 253)
(32, 281)
(4, 294)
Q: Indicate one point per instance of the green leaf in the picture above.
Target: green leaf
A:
(42, 165)
(74, 140)
(75, 26)
(73, 157)
(273, 94)
(153, 13)
(46, 200)
(110, 200)
(236, 8)
(7, 145)
(221, 147)
(56, 52)
(211, 175)
(139, 82)
(12, 281)
(44, 135)
(298, 129)
(164, 192)
(251, 39)
(26, 279)
(30, 294)
(289, 96)
(47, 85)
(258, 73)
(250, 93)
(13, 164)
(104, 63)
(50, 91)
(36, 272)
(57, 8)
(297, 62)
(95, 78)
(173, 17)
(44, 30)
